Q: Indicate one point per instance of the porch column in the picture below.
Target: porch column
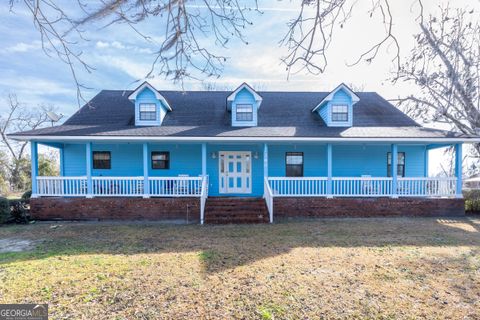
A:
(425, 164)
(34, 161)
(204, 159)
(329, 171)
(265, 160)
(146, 184)
(458, 169)
(62, 161)
(393, 168)
(88, 155)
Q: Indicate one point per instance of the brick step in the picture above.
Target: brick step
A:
(235, 219)
(235, 215)
(222, 210)
(238, 208)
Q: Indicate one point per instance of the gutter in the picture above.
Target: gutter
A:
(239, 139)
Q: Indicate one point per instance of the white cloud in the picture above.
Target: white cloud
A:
(23, 47)
(117, 45)
(102, 44)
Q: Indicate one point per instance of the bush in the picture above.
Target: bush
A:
(27, 195)
(472, 201)
(4, 210)
(19, 211)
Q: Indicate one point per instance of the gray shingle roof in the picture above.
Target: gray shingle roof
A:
(204, 114)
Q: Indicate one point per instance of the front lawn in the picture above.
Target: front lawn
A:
(389, 268)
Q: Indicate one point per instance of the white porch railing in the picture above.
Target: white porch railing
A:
(61, 186)
(175, 186)
(426, 187)
(268, 199)
(117, 186)
(300, 186)
(120, 186)
(362, 187)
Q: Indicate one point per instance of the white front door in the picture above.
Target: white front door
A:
(235, 171)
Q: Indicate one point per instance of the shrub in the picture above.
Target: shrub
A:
(472, 201)
(27, 195)
(19, 211)
(4, 210)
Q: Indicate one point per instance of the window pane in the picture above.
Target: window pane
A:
(340, 113)
(244, 108)
(294, 164)
(101, 160)
(294, 158)
(160, 160)
(148, 107)
(148, 111)
(400, 164)
(244, 112)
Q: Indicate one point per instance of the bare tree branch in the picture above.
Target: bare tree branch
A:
(19, 118)
(445, 65)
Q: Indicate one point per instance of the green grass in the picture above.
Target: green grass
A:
(333, 268)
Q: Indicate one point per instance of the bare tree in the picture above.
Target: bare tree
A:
(190, 28)
(445, 65)
(19, 118)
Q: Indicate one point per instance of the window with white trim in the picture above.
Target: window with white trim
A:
(148, 111)
(244, 112)
(400, 164)
(102, 160)
(339, 113)
(294, 164)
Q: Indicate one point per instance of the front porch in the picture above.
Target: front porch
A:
(254, 169)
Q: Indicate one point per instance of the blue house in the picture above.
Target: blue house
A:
(241, 156)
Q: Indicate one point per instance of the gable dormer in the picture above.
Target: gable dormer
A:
(244, 103)
(150, 106)
(336, 109)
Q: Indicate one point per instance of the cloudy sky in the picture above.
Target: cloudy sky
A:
(120, 57)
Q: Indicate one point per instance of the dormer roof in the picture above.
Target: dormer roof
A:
(258, 98)
(330, 96)
(133, 96)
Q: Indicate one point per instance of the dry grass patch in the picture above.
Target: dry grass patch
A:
(331, 269)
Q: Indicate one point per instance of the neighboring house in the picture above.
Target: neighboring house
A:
(169, 154)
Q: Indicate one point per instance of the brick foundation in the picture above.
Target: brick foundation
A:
(189, 208)
(366, 207)
(116, 208)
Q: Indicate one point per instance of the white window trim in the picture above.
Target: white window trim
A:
(244, 105)
(147, 104)
(332, 113)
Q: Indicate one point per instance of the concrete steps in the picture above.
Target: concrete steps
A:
(224, 210)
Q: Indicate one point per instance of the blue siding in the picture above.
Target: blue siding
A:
(348, 160)
(244, 97)
(184, 159)
(314, 159)
(340, 97)
(354, 161)
(148, 96)
(75, 163)
(127, 160)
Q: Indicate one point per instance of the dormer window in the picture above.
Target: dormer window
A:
(244, 103)
(150, 106)
(148, 111)
(340, 113)
(244, 112)
(336, 108)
